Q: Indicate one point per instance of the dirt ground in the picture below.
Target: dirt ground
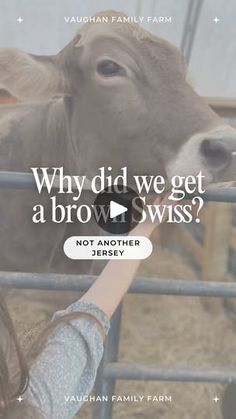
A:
(164, 331)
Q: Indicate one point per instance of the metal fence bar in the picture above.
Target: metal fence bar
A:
(17, 180)
(20, 180)
(190, 27)
(123, 371)
(105, 386)
(140, 285)
(217, 195)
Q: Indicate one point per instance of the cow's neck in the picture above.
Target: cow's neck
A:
(36, 137)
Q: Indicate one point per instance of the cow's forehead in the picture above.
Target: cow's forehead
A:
(130, 30)
(130, 35)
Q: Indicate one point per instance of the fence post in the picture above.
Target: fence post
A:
(105, 386)
(216, 245)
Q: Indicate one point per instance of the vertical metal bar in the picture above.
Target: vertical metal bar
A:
(190, 27)
(139, 6)
(154, 5)
(105, 386)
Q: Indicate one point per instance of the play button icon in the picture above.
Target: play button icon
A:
(117, 209)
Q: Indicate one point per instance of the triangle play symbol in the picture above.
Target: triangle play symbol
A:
(116, 209)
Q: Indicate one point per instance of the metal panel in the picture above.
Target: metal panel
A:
(110, 370)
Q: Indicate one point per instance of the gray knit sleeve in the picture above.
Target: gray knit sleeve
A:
(64, 373)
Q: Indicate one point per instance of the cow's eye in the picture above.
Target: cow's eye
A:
(108, 68)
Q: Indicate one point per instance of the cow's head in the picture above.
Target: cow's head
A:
(128, 103)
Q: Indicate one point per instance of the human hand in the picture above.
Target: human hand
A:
(148, 226)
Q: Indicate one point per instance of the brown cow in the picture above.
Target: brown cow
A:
(116, 95)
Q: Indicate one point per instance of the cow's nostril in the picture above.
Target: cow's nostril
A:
(215, 152)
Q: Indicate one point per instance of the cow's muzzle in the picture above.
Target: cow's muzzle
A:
(218, 153)
(212, 152)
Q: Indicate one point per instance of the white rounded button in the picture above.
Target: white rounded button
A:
(107, 247)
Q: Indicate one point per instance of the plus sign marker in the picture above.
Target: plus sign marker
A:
(117, 209)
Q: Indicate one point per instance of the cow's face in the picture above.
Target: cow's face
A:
(133, 107)
(129, 104)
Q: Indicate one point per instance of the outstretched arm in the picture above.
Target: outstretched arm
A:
(117, 276)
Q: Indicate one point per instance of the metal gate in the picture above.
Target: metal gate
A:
(110, 368)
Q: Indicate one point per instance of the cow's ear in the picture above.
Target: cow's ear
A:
(30, 77)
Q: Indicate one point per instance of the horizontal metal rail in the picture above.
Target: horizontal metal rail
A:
(124, 371)
(20, 180)
(82, 283)
(218, 195)
(16, 180)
